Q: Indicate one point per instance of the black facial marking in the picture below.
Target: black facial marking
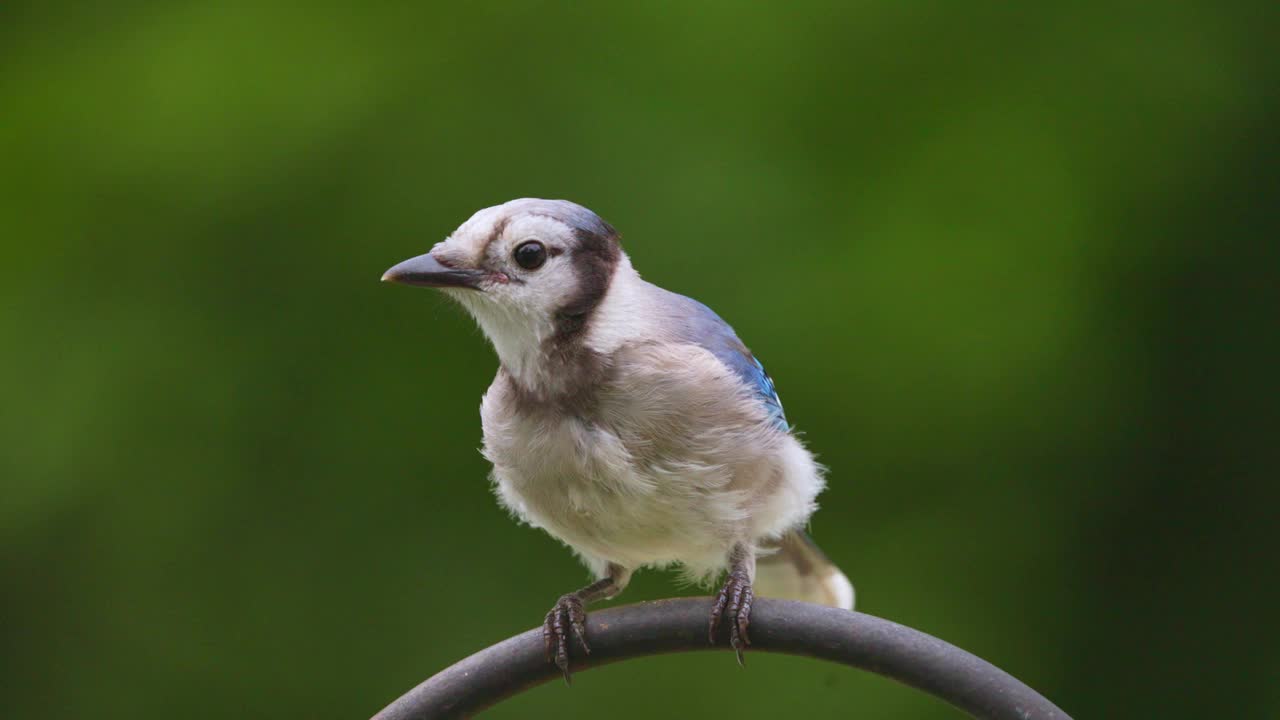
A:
(594, 255)
(594, 258)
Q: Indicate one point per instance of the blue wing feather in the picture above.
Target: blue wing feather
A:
(749, 369)
(702, 326)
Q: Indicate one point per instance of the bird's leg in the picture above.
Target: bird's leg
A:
(734, 599)
(569, 616)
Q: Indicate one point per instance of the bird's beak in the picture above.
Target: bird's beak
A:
(426, 271)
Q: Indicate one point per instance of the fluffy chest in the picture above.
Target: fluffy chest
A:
(566, 471)
(579, 480)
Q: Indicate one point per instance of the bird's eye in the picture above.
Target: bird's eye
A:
(530, 255)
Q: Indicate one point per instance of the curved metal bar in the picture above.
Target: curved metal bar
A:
(862, 641)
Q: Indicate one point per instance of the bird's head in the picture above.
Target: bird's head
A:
(530, 271)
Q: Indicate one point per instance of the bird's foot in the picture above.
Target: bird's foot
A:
(733, 603)
(566, 617)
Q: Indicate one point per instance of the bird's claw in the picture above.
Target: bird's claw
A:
(734, 603)
(566, 617)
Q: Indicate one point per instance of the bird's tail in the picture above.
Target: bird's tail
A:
(800, 571)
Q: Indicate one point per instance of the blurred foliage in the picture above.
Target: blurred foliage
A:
(1013, 268)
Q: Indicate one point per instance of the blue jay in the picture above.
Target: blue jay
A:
(628, 422)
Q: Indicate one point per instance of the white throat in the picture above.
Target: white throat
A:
(517, 338)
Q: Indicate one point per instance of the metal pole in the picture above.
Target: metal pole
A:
(795, 628)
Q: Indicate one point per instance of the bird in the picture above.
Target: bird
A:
(629, 422)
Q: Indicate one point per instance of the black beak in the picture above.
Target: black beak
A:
(426, 271)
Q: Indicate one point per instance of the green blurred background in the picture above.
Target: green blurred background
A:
(1014, 270)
